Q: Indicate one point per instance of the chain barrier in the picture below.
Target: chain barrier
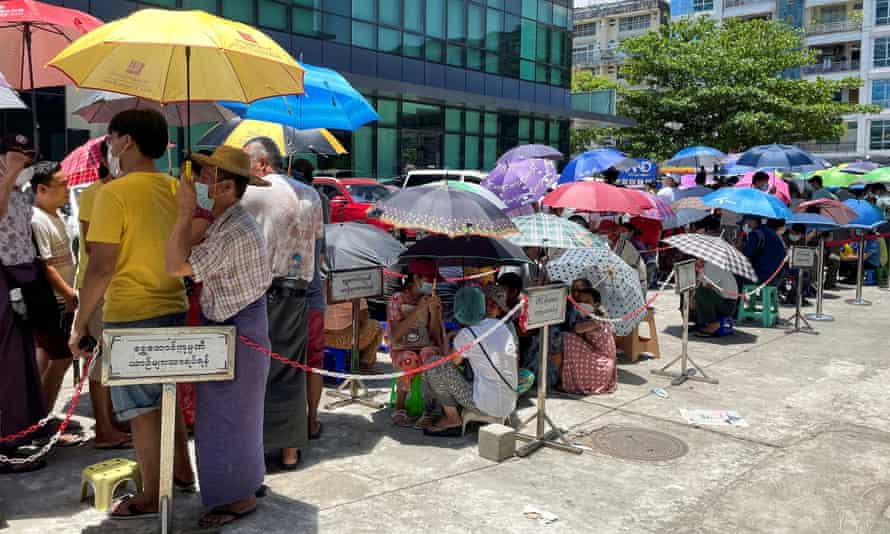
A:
(757, 289)
(385, 376)
(62, 426)
(870, 237)
(627, 316)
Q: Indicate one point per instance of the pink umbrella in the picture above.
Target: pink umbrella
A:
(81, 166)
(688, 180)
(660, 209)
(778, 186)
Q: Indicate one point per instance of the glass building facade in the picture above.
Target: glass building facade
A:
(456, 82)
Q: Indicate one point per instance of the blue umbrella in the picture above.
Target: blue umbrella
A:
(330, 102)
(522, 152)
(745, 200)
(696, 156)
(784, 157)
(867, 216)
(813, 221)
(594, 162)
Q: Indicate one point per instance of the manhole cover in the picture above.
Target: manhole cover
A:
(638, 444)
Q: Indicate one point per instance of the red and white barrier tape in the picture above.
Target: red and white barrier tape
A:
(394, 274)
(753, 291)
(627, 316)
(871, 237)
(385, 376)
(36, 426)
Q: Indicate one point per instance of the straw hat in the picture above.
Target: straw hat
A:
(233, 160)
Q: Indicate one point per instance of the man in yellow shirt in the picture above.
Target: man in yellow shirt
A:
(131, 219)
(107, 435)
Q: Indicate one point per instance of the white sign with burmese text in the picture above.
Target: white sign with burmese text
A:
(344, 286)
(546, 305)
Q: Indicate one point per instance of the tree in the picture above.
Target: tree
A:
(584, 81)
(730, 87)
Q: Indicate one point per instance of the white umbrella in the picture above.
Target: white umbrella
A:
(9, 99)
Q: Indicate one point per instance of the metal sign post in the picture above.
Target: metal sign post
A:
(859, 301)
(352, 286)
(684, 273)
(167, 356)
(546, 306)
(802, 258)
(820, 285)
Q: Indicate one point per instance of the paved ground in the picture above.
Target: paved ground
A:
(814, 458)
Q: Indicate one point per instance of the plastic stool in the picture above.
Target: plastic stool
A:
(762, 306)
(414, 404)
(634, 345)
(337, 360)
(726, 327)
(105, 477)
(869, 277)
(471, 416)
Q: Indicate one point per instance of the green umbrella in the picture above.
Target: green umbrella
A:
(545, 230)
(876, 176)
(834, 177)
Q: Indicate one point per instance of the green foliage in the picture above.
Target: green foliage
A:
(584, 81)
(724, 84)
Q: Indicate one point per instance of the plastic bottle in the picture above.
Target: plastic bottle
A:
(17, 301)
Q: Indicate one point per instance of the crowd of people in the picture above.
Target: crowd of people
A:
(242, 244)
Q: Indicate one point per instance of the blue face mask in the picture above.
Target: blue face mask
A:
(426, 288)
(203, 196)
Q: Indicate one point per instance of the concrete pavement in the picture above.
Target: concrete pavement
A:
(812, 460)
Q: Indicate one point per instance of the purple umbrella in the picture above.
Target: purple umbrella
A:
(521, 182)
(523, 152)
(860, 167)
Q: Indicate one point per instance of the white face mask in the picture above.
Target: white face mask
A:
(746, 228)
(114, 164)
(24, 176)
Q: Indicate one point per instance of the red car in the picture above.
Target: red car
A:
(351, 198)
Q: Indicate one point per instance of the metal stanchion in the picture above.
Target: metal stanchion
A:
(546, 306)
(687, 372)
(860, 262)
(820, 286)
(798, 317)
(358, 392)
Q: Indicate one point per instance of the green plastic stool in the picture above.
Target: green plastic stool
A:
(754, 307)
(414, 403)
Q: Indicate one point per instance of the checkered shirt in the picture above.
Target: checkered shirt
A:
(233, 264)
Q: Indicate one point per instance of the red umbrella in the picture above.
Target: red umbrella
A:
(81, 166)
(835, 210)
(598, 197)
(33, 33)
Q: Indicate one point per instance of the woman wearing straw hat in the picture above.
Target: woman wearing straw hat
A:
(232, 264)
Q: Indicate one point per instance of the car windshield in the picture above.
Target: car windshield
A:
(367, 192)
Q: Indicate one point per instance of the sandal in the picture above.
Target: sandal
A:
(424, 422)
(400, 418)
(317, 434)
(132, 512)
(449, 432)
(228, 516)
(293, 466)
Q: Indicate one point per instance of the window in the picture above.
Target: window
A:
(433, 50)
(387, 157)
(829, 14)
(452, 119)
(338, 28)
(472, 121)
(475, 26)
(545, 11)
(204, 5)
(881, 56)
(880, 93)
(338, 7)
(389, 40)
(629, 24)
(528, 38)
(530, 9)
(364, 35)
(363, 151)
(587, 28)
(272, 15)
(435, 20)
(880, 135)
(471, 152)
(367, 192)
(413, 45)
(388, 110)
(305, 21)
(454, 55)
(238, 10)
(452, 151)
(414, 16)
(494, 25)
(702, 5)
(390, 12)
(365, 10)
(457, 20)
(882, 12)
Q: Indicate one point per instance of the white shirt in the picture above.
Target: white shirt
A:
(490, 394)
(668, 193)
(53, 244)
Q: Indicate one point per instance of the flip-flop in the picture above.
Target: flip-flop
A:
(424, 422)
(317, 433)
(185, 487)
(234, 516)
(450, 432)
(124, 444)
(133, 512)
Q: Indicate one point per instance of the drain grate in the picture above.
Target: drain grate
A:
(638, 444)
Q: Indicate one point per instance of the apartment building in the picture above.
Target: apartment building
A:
(851, 38)
(599, 28)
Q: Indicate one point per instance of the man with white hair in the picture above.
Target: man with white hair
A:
(290, 216)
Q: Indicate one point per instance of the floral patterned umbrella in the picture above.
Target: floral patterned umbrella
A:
(521, 182)
(617, 282)
(444, 209)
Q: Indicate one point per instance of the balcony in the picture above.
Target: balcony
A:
(602, 101)
(633, 32)
(740, 3)
(596, 56)
(828, 148)
(829, 67)
(617, 8)
(833, 27)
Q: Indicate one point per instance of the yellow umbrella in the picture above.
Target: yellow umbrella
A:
(237, 132)
(175, 56)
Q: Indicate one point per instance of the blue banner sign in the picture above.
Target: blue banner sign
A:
(643, 173)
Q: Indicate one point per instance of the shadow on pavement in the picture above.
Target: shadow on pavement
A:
(740, 337)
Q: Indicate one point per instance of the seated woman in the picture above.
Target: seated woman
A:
(414, 319)
(715, 297)
(338, 332)
(588, 360)
(492, 390)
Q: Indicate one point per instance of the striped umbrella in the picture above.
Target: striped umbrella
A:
(660, 209)
(546, 230)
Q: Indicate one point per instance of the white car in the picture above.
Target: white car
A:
(428, 176)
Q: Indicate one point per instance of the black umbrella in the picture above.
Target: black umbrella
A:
(465, 250)
(356, 245)
(444, 209)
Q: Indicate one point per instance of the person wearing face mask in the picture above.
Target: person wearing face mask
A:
(414, 320)
(763, 247)
(715, 297)
(291, 217)
(131, 219)
(21, 398)
(760, 181)
(232, 264)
